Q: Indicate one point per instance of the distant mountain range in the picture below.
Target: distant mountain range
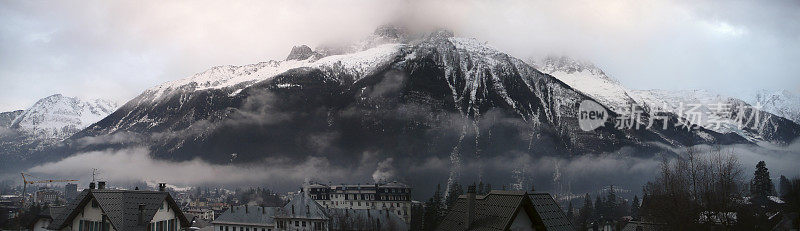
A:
(47, 122)
(776, 122)
(394, 92)
(406, 96)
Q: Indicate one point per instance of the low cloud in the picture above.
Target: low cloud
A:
(132, 165)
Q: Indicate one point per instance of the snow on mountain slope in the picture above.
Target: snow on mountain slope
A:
(782, 103)
(720, 113)
(587, 78)
(714, 117)
(356, 64)
(57, 117)
(713, 111)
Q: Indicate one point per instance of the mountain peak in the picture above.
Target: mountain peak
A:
(391, 31)
(569, 65)
(58, 116)
(301, 52)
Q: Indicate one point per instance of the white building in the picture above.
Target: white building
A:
(393, 196)
(46, 196)
(205, 214)
(109, 210)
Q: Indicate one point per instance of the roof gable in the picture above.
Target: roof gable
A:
(496, 211)
(549, 212)
(121, 207)
(302, 206)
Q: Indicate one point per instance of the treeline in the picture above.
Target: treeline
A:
(708, 190)
(607, 208)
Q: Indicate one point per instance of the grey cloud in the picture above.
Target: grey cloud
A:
(137, 165)
(117, 49)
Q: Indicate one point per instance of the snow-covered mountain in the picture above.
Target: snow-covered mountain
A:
(57, 117)
(49, 121)
(722, 114)
(716, 112)
(783, 103)
(584, 76)
(401, 95)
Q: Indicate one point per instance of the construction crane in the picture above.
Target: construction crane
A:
(26, 182)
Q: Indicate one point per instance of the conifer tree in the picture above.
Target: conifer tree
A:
(761, 184)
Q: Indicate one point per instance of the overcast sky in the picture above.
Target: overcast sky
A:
(117, 49)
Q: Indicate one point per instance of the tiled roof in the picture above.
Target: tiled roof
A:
(302, 206)
(551, 214)
(255, 215)
(492, 212)
(58, 222)
(496, 211)
(365, 219)
(121, 207)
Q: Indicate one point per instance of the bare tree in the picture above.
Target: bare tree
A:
(697, 189)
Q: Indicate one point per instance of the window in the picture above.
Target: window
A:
(94, 203)
(220, 228)
(304, 223)
(296, 223)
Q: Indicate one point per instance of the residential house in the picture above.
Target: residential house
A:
(505, 210)
(126, 210)
(44, 218)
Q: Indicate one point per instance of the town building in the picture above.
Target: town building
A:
(104, 209)
(392, 196)
(246, 218)
(46, 196)
(204, 214)
(365, 219)
(302, 213)
(505, 210)
(70, 191)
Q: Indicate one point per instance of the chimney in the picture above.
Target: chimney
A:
(246, 209)
(101, 185)
(91, 185)
(470, 205)
(162, 187)
(141, 214)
